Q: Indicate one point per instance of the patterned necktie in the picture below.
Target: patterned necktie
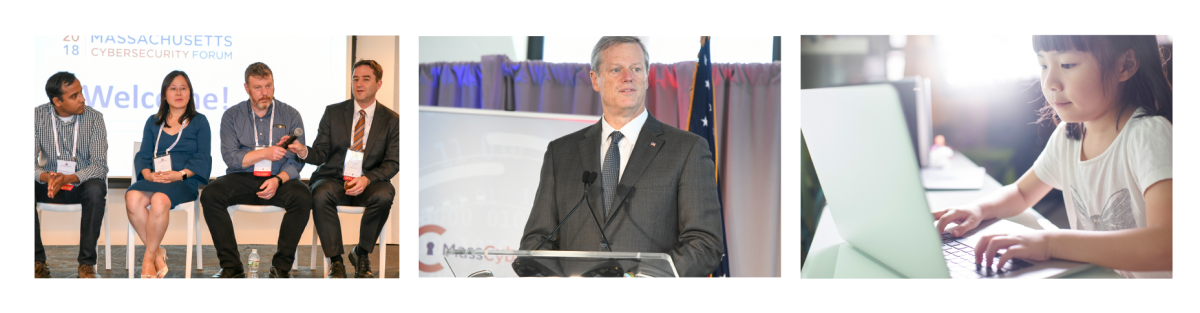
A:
(358, 131)
(611, 171)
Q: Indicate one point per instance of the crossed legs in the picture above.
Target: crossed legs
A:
(150, 225)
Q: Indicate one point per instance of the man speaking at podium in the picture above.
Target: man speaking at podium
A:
(656, 192)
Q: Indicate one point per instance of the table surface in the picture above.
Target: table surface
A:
(832, 257)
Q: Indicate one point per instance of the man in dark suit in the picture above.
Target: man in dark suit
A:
(657, 190)
(357, 152)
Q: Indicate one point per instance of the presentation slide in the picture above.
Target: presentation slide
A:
(122, 76)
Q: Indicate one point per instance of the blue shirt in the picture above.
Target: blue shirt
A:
(237, 136)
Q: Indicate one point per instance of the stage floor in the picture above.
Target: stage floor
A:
(63, 263)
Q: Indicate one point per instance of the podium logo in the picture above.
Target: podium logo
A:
(428, 249)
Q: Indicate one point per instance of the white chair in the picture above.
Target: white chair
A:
(42, 206)
(251, 209)
(382, 240)
(265, 209)
(193, 224)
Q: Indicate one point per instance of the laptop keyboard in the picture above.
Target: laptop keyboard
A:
(960, 258)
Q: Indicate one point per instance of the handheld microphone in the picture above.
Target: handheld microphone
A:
(295, 134)
(588, 178)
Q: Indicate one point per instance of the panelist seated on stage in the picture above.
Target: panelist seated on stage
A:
(657, 191)
(71, 152)
(173, 161)
(260, 172)
(357, 153)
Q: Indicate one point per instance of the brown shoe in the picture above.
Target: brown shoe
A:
(40, 270)
(87, 271)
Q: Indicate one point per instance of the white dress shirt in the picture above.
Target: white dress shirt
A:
(625, 147)
(366, 126)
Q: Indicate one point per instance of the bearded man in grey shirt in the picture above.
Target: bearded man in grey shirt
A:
(259, 172)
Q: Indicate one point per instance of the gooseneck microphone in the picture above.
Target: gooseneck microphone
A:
(295, 133)
(588, 179)
(603, 239)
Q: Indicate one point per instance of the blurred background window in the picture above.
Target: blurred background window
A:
(895, 57)
(982, 61)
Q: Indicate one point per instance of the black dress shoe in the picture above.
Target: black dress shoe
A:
(230, 272)
(362, 264)
(337, 269)
(40, 270)
(278, 273)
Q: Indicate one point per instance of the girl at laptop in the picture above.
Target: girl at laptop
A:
(1110, 155)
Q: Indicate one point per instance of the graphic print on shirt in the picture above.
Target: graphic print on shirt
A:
(1117, 213)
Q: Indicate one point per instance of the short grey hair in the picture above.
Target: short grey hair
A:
(609, 41)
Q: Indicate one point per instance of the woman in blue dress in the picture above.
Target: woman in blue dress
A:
(173, 161)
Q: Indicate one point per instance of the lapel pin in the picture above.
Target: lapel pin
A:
(652, 144)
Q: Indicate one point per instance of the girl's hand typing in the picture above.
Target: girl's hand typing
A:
(1033, 246)
(967, 218)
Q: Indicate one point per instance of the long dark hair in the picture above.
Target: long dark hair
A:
(1148, 88)
(164, 108)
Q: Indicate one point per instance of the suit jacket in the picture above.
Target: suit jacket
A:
(381, 159)
(666, 200)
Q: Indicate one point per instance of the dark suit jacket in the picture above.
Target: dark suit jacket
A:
(666, 200)
(381, 159)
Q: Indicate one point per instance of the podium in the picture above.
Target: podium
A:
(548, 263)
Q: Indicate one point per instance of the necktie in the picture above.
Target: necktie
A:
(358, 131)
(611, 171)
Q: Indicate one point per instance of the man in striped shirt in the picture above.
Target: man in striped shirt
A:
(71, 167)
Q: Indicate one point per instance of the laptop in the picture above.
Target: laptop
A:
(916, 100)
(863, 156)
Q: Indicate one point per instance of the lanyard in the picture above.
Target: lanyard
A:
(178, 135)
(54, 126)
(271, 132)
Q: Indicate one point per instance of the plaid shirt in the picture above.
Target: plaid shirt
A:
(92, 152)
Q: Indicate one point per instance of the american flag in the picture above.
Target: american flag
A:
(700, 122)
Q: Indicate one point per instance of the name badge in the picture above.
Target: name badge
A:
(162, 163)
(66, 168)
(262, 168)
(353, 166)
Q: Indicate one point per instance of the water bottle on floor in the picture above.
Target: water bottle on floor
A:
(253, 263)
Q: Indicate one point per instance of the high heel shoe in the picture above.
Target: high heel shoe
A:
(162, 272)
(145, 274)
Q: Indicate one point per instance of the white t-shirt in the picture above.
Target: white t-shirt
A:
(1105, 192)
